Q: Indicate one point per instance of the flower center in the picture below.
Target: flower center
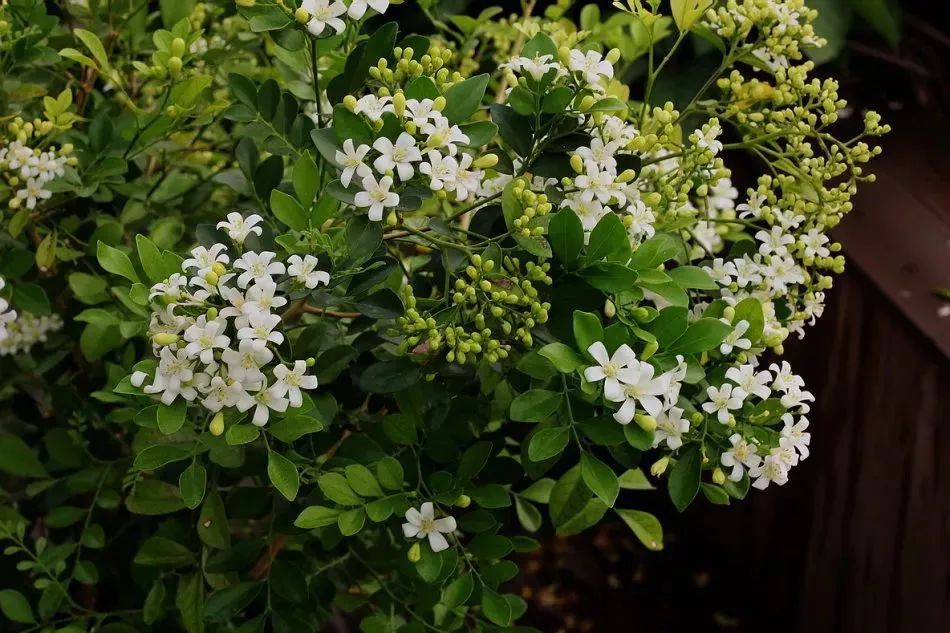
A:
(610, 370)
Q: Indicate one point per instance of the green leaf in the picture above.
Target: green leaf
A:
(390, 376)
(686, 12)
(154, 457)
(336, 488)
(669, 325)
(17, 458)
(351, 521)
(159, 551)
(116, 262)
(213, 529)
(151, 258)
(716, 495)
(288, 210)
(609, 277)
(362, 481)
(400, 428)
(458, 592)
(463, 98)
(389, 473)
(154, 602)
(566, 235)
(608, 240)
(703, 335)
(563, 357)
(190, 602)
(192, 483)
(473, 460)
(171, 417)
(656, 250)
(535, 405)
(239, 434)
(750, 310)
(637, 437)
(600, 478)
(306, 180)
(91, 40)
(692, 277)
(684, 478)
(539, 491)
(153, 497)
(548, 443)
(883, 16)
(645, 526)
(316, 517)
(528, 515)
(495, 607)
(283, 474)
(587, 329)
(16, 607)
(634, 479)
(491, 496)
(540, 45)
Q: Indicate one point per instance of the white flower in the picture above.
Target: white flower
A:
(291, 381)
(244, 364)
(752, 208)
(708, 139)
(238, 227)
(813, 244)
(775, 241)
(721, 271)
(171, 289)
(422, 523)
(374, 107)
(441, 133)
(262, 297)
(589, 210)
(223, 393)
(597, 182)
(723, 400)
(358, 8)
(797, 398)
(204, 337)
(751, 381)
(785, 379)
(173, 376)
(260, 327)
(722, 195)
(795, 433)
(591, 65)
(771, 470)
(399, 155)
(670, 427)
(265, 400)
(323, 14)
(441, 171)
(537, 66)
(608, 369)
(639, 385)
(352, 160)
(643, 220)
(600, 153)
(742, 455)
(237, 299)
(305, 271)
(257, 267)
(420, 112)
(467, 181)
(203, 259)
(734, 338)
(376, 196)
(748, 271)
(33, 192)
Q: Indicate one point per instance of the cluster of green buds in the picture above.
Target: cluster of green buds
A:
(658, 129)
(533, 206)
(493, 309)
(435, 63)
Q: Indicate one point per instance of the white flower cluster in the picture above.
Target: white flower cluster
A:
(21, 331)
(429, 149)
(216, 333)
(319, 14)
(783, 27)
(633, 382)
(30, 171)
(765, 465)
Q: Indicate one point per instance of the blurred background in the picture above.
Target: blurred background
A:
(859, 540)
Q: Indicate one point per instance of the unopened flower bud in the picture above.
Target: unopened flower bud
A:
(216, 427)
(645, 422)
(463, 501)
(577, 163)
(302, 15)
(165, 338)
(211, 314)
(399, 104)
(178, 47)
(486, 161)
(349, 102)
(587, 103)
(659, 466)
(415, 553)
(613, 55)
(174, 66)
(718, 477)
(438, 104)
(609, 309)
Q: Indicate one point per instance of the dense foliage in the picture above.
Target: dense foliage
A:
(316, 307)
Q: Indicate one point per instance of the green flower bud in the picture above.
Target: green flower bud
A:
(216, 427)
(415, 553)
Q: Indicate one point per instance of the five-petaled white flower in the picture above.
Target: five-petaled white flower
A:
(771, 470)
(265, 399)
(734, 338)
(351, 158)
(376, 196)
(742, 455)
(723, 400)
(422, 523)
(398, 156)
(750, 380)
(258, 267)
(260, 327)
(324, 14)
(304, 271)
(239, 227)
(291, 381)
(245, 363)
(639, 385)
(795, 432)
(608, 369)
(204, 337)
(591, 65)
(670, 427)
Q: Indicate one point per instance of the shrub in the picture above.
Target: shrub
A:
(306, 311)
